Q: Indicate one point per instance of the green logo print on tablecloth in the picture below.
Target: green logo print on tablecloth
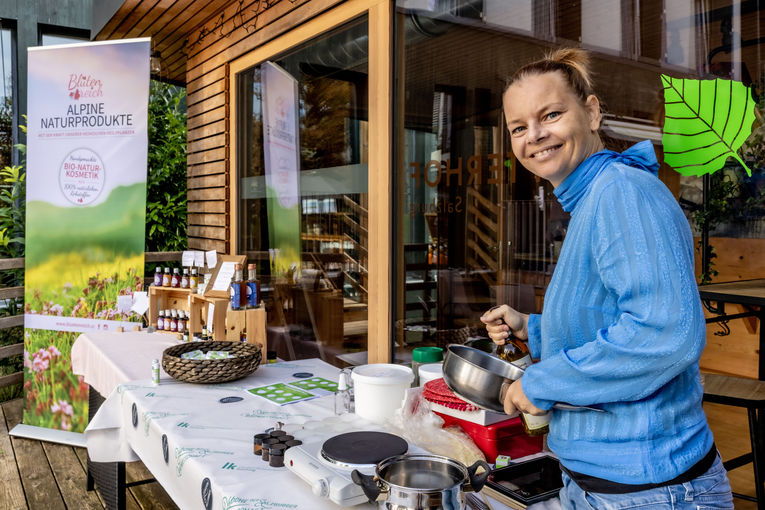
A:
(148, 416)
(273, 415)
(237, 503)
(706, 121)
(184, 454)
(315, 383)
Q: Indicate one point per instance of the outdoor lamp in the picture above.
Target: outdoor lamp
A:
(155, 64)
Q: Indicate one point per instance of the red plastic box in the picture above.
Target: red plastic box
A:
(503, 438)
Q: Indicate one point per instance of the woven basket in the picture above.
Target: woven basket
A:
(211, 370)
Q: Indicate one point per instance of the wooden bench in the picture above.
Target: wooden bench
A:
(750, 394)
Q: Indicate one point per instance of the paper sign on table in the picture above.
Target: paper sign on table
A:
(225, 275)
(212, 258)
(281, 393)
(124, 304)
(187, 258)
(140, 302)
(315, 383)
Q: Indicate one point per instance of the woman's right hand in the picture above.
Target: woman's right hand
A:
(502, 320)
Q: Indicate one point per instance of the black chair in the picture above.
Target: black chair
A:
(750, 394)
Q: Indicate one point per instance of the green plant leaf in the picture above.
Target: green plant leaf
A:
(706, 121)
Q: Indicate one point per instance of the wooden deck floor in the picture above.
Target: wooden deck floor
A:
(39, 475)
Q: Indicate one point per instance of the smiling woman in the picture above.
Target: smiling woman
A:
(622, 328)
(552, 129)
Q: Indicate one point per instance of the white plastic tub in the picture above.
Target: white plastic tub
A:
(430, 371)
(379, 389)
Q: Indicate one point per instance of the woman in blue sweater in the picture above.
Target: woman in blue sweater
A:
(622, 327)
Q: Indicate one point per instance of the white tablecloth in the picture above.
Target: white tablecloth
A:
(107, 359)
(187, 438)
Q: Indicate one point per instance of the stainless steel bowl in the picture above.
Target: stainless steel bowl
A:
(477, 376)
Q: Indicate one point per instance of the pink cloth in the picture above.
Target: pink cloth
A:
(108, 359)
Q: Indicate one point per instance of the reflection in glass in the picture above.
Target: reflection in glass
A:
(473, 227)
(320, 308)
(6, 96)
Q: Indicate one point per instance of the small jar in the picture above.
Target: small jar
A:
(423, 355)
(257, 443)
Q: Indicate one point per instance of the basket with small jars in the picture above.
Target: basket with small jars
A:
(219, 361)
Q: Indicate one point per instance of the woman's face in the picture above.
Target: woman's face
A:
(551, 131)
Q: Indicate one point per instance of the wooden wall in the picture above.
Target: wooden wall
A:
(737, 353)
(233, 30)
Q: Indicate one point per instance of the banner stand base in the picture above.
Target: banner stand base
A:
(49, 435)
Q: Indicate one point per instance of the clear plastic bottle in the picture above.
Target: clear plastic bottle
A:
(342, 395)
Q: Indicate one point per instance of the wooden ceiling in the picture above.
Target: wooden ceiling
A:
(167, 22)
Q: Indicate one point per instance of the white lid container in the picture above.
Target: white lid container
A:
(379, 389)
(430, 371)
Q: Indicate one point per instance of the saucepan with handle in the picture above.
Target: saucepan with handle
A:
(482, 379)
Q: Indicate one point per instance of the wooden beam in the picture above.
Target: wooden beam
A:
(163, 256)
(10, 380)
(9, 322)
(17, 263)
(11, 350)
(380, 141)
(11, 292)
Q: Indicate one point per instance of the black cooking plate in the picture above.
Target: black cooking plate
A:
(363, 447)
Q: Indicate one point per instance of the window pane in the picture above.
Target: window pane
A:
(6, 96)
(321, 310)
(474, 228)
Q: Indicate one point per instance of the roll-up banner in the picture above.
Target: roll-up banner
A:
(282, 164)
(86, 209)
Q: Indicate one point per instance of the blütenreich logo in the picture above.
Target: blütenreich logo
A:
(84, 86)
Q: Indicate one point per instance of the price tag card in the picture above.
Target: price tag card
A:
(187, 258)
(212, 258)
(199, 258)
(210, 315)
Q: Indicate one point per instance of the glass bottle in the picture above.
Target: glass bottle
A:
(193, 280)
(185, 278)
(158, 277)
(253, 287)
(161, 321)
(175, 282)
(168, 320)
(173, 321)
(166, 277)
(515, 351)
(235, 291)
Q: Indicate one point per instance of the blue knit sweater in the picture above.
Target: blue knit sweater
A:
(622, 327)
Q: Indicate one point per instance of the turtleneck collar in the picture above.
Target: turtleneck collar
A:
(575, 186)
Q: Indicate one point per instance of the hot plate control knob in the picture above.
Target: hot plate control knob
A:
(320, 488)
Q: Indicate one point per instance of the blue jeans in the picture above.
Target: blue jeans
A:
(710, 490)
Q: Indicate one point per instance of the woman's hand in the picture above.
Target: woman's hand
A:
(502, 320)
(515, 400)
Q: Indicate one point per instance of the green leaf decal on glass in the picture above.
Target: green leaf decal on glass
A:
(706, 121)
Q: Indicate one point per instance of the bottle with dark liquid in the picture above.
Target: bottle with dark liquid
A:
(236, 289)
(515, 351)
(253, 287)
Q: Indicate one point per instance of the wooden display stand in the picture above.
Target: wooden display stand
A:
(167, 298)
(252, 321)
(198, 315)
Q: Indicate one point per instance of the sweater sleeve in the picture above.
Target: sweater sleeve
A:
(533, 327)
(642, 252)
